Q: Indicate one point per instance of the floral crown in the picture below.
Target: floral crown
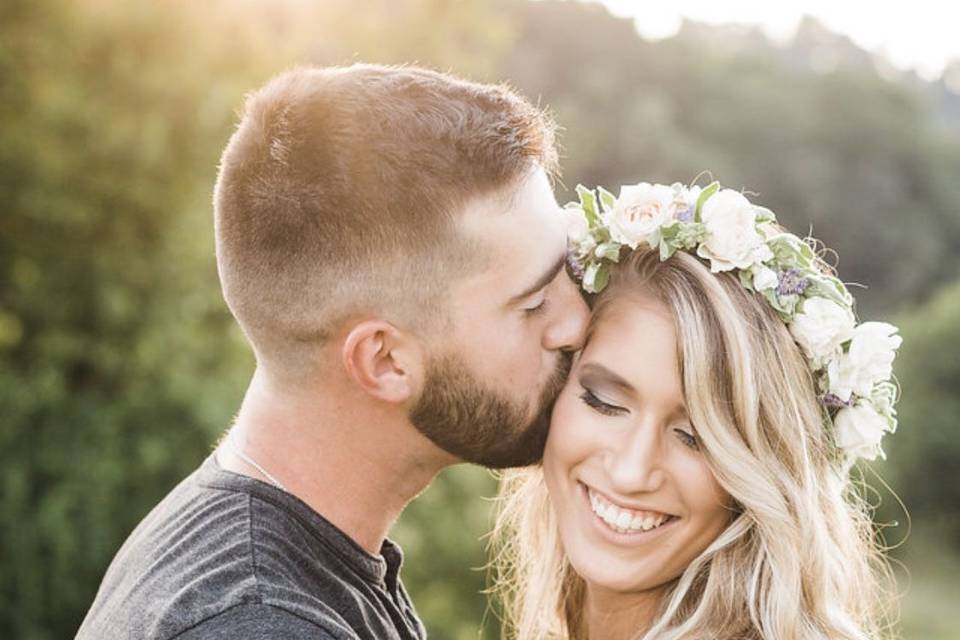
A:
(852, 363)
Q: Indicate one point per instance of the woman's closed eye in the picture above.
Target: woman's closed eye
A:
(688, 438)
(594, 402)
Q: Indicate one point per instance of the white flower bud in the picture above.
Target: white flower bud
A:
(764, 278)
(858, 430)
(868, 361)
(821, 327)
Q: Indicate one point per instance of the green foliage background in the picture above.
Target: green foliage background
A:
(120, 365)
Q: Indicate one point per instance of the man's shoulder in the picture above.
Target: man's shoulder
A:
(196, 557)
(220, 546)
(258, 621)
(187, 560)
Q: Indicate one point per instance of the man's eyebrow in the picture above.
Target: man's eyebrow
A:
(542, 281)
(594, 369)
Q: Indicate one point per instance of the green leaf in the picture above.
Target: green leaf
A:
(609, 250)
(690, 234)
(667, 249)
(595, 277)
(791, 251)
(786, 306)
(603, 277)
(588, 201)
(828, 287)
(607, 199)
(655, 236)
(669, 229)
(708, 191)
(764, 214)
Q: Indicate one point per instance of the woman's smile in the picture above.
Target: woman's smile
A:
(622, 525)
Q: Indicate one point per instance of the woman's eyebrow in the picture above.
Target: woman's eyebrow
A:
(598, 370)
(595, 372)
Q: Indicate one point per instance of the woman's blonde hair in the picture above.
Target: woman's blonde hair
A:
(799, 559)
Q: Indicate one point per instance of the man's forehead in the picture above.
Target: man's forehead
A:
(514, 220)
(522, 241)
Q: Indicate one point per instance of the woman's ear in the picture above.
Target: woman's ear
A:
(383, 361)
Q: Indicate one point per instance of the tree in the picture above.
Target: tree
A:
(119, 363)
(924, 453)
(864, 161)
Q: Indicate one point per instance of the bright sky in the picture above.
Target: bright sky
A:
(918, 34)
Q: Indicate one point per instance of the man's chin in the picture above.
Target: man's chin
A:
(522, 450)
(480, 426)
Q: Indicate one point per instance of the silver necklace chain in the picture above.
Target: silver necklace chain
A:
(253, 463)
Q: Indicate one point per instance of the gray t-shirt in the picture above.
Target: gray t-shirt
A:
(227, 556)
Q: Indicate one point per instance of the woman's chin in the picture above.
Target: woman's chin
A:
(602, 570)
(618, 580)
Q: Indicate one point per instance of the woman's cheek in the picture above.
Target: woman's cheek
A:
(703, 490)
(572, 430)
(563, 454)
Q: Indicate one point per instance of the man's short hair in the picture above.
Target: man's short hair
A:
(339, 192)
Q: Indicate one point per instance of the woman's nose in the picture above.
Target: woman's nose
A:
(636, 464)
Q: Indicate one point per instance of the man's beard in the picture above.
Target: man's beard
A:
(477, 424)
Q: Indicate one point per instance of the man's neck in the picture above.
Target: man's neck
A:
(356, 464)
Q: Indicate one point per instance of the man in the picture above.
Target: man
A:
(388, 240)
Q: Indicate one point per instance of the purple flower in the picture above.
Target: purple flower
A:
(830, 400)
(686, 215)
(792, 282)
(576, 269)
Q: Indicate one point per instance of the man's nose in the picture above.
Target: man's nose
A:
(569, 327)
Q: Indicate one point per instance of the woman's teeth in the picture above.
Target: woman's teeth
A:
(625, 520)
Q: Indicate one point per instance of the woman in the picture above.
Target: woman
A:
(695, 483)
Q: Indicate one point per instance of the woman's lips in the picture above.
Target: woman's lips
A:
(621, 524)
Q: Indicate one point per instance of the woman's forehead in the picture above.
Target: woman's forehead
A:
(632, 335)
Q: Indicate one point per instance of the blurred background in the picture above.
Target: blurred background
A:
(120, 365)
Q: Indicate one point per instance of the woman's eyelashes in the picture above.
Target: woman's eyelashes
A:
(598, 405)
(688, 439)
(592, 400)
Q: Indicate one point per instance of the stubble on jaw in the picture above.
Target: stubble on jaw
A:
(480, 425)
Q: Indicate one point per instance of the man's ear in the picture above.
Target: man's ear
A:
(383, 361)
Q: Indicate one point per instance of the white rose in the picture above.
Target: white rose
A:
(858, 430)
(868, 361)
(732, 241)
(765, 278)
(821, 327)
(639, 211)
(575, 220)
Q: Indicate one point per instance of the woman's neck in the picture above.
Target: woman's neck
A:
(614, 615)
